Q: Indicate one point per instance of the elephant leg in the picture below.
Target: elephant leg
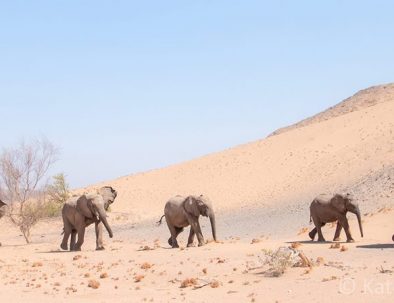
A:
(197, 230)
(319, 225)
(338, 232)
(191, 237)
(175, 231)
(345, 224)
(81, 238)
(73, 239)
(99, 236)
(313, 232)
(67, 231)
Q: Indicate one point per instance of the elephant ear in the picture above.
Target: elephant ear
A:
(85, 207)
(339, 203)
(191, 206)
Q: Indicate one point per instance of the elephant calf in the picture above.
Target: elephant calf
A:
(325, 209)
(181, 212)
(80, 212)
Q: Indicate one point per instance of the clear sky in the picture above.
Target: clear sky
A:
(126, 86)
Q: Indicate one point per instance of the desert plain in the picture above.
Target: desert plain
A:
(261, 192)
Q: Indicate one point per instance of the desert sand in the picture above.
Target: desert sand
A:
(261, 193)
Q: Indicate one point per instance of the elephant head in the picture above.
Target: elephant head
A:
(347, 203)
(94, 206)
(201, 205)
(109, 194)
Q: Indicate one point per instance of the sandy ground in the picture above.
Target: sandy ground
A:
(261, 193)
(40, 272)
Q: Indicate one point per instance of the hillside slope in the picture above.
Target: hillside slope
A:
(343, 152)
(362, 99)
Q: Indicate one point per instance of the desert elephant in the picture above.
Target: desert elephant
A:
(327, 208)
(2, 208)
(181, 212)
(81, 211)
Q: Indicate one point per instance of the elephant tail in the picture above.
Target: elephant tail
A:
(159, 222)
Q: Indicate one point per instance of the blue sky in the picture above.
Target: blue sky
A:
(127, 86)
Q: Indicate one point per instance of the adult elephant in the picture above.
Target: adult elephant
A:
(326, 208)
(80, 212)
(181, 212)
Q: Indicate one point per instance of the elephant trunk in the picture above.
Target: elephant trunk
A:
(103, 218)
(358, 214)
(213, 224)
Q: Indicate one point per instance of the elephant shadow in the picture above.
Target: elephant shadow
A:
(377, 246)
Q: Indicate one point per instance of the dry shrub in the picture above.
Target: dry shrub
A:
(343, 248)
(94, 284)
(188, 282)
(146, 265)
(214, 284)
(254, 241)
(295, 245)
(87, 275)
(204, 270)
(329, 279)
(320, 261)
(302, 231)
(335, 246)
(103, 275)
(37, 264)
(77, 257)
(138, 278)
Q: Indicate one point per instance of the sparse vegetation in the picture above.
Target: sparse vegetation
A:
(22, 173)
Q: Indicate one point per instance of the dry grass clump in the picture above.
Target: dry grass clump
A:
(254, 241)
(204, 270)
(94, 284)
(77, 257)
(214, 284)
(103, 275)
(189, 282)
(138, 278)
(146, 265)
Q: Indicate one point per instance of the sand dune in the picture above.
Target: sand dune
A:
(293, 166)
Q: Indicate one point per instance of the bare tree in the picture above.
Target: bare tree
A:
(22, 173)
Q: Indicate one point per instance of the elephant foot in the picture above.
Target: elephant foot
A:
(201, 244)
(63, 246)
(336, 239)
(321, 240)
(190, 244)
(350, 241)
(100, 248)
(76, 249)
(170, 241)
(312, 235)
(175, 245)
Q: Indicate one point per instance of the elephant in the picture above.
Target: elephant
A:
(327, 208)
(80, 211)
(2, 208)
(181, 212)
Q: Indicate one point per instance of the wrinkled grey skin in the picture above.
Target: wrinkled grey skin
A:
(325, 209)
(79, 212)
(181, 212)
